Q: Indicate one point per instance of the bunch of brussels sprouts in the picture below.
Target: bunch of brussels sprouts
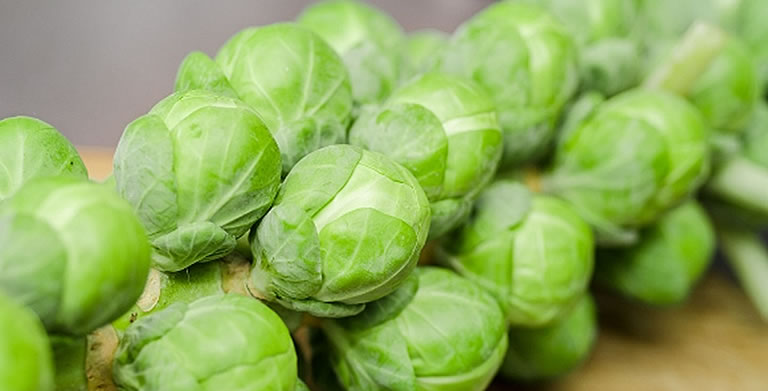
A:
(337, 204)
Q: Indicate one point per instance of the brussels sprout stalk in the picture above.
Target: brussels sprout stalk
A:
(85, 363)
(741, 182)
(700, 45)
(749, 259)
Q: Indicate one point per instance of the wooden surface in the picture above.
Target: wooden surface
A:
(715, 342)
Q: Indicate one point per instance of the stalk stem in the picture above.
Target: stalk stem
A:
(749, 259)
(742, 183)
(690, 58)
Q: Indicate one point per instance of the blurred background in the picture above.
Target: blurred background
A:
(90, 67)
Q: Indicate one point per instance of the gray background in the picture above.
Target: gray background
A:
(89, 67)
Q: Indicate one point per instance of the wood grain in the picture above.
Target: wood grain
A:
(714, 342)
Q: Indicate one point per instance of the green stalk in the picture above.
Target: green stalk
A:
(69, 355)
(749, 259)
(742, 183)
(690, 58)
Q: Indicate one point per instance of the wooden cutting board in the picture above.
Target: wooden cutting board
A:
(715, 342)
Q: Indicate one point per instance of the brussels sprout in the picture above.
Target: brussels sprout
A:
(444, 130)
(346, 228)
(199, 170)
(727, 92)
(551, 351)
(450, 336)
(366, 38)
(534, 253)
(639, 154)
(32, 148)
(669, 259)
(94, 261)
(293, 79)
(222, 342)
(25, 356)
(421, 51)
(609, 58)
(527, 62)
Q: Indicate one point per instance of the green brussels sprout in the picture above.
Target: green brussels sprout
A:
(554, 350)
(32, 149)
(368, 41)
(528, 63)
(727, 92)
(95, 260)
(639, 154)
(421, 51)
(26, 362)
(611, 65)
(609, 58)
(532, 252)
(347, 227)
(444, 130)
(222, 342)
(450, 336)
(293, 79)
(199, 170)
(663, 267)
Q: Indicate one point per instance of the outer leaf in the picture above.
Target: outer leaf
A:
(317, 179)
(143, 170)
(411, 135)
(368, 254)
(287, 253)
(198, 71)
(448, 214)
(191, 243)
(386, 308)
